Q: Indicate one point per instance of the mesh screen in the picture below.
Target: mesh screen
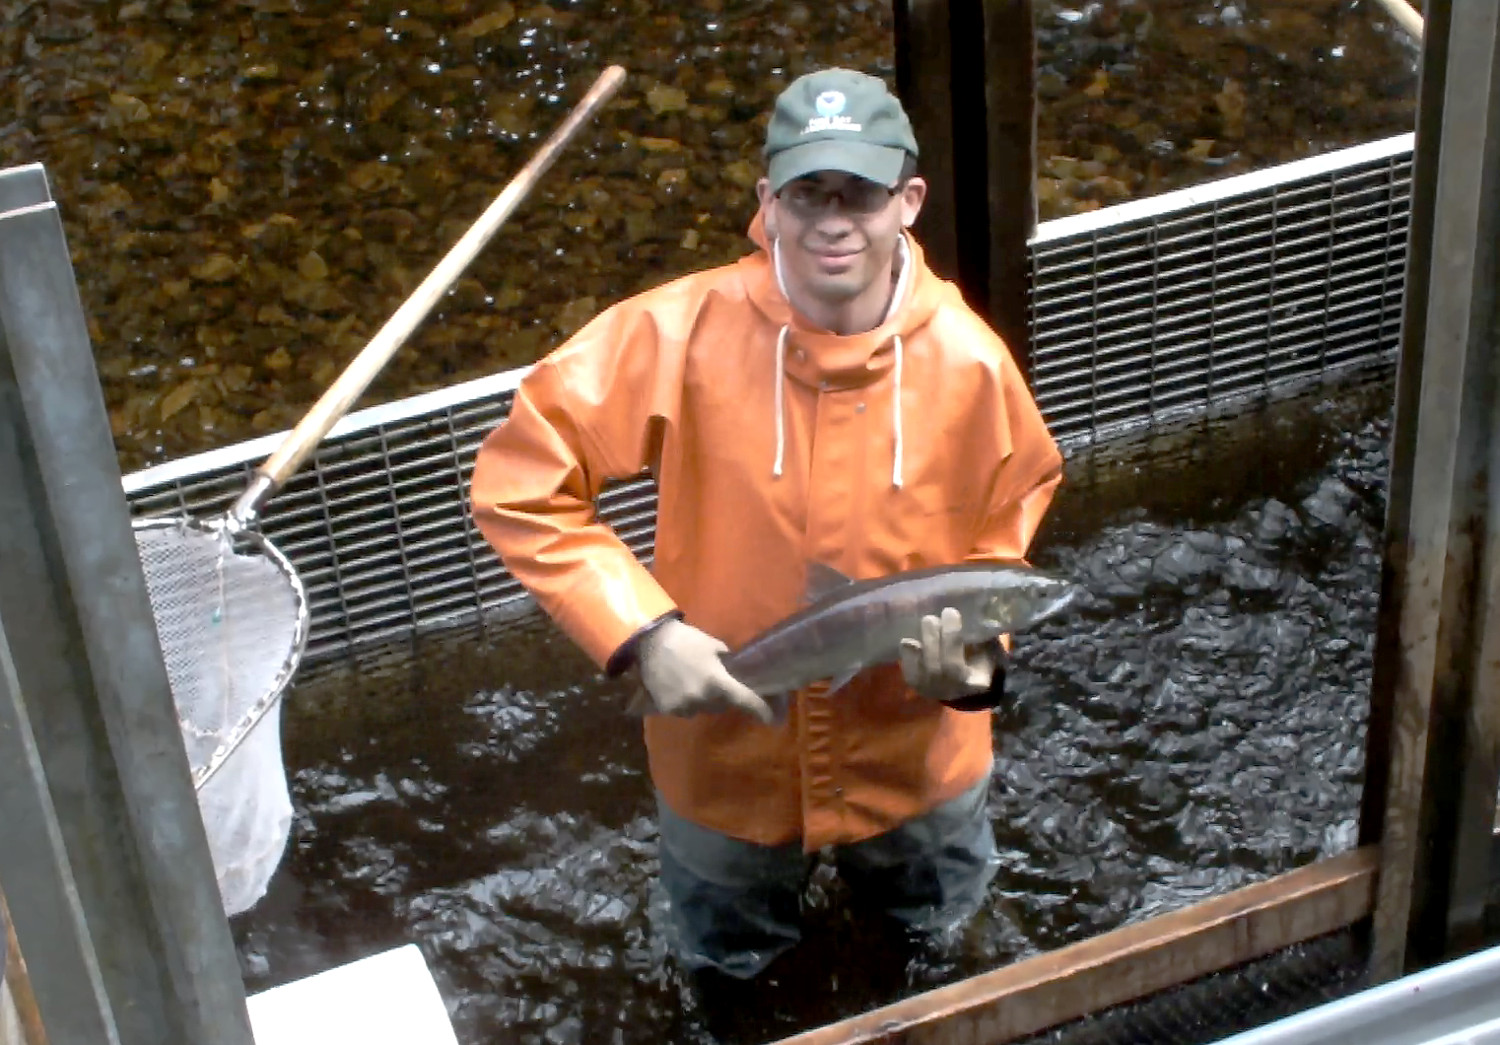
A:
(1187, 305)
(1205, 1010)
(378, 529)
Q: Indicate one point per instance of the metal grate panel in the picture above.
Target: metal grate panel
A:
(1169, 313)
(1143, 313)
(377, 523)
(1296, 979)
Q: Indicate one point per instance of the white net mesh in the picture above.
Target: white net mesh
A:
(230, 626)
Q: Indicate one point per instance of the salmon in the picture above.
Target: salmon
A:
(848, 626)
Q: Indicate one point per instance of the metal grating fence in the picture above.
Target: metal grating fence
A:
(1141, 314)
(1149, 317)
(1294, 979)
(377, 523)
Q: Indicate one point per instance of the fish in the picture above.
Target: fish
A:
(846, 626)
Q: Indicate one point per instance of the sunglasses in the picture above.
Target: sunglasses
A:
(857, 196)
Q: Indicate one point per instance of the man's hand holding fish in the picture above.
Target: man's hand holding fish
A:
(683, 675)
(941, 667)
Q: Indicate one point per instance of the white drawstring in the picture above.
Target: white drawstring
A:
(780, 380)
(903, 256)
(781, 336)
(903, 252)
(896, 409)
(780, 361)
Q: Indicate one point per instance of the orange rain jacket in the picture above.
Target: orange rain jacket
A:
(913, 445)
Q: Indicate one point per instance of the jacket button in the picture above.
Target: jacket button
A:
(859, 408)
(839, 791)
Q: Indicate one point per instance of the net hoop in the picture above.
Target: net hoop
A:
(219, 529)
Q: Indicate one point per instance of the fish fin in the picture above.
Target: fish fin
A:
(640, 703)
(841, 681)
(822, 581)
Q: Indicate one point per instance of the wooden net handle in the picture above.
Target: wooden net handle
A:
(341, 395)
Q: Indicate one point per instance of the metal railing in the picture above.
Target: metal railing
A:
(1149, 311)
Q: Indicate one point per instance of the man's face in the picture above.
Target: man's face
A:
(838, 232)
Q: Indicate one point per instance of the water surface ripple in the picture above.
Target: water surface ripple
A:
(1196, 727)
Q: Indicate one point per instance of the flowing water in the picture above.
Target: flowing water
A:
(1197, 727)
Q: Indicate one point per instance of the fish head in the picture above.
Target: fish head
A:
(1018, 603)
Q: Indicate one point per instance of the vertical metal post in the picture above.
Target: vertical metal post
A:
(102, 848)
(1437, 678)
(1380, 729)
(965, 71)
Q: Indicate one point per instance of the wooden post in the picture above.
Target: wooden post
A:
(965, 71)
(1010, 126)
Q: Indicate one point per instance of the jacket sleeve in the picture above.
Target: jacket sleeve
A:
(1027, 478)
(581, 416)
(1023, 489)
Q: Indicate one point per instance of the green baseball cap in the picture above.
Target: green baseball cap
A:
(840, 120)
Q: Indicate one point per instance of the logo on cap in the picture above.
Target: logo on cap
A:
(829, 103)
(830, 106)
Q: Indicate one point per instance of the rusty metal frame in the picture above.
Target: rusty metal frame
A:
(1435, 695)
(15, 984)
(1125, 964)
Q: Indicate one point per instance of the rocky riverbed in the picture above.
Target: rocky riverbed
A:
(251, 187)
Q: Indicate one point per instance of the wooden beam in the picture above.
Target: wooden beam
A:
(1125, 964)
(924, 81)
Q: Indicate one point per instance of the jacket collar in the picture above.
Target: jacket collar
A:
(820, 359)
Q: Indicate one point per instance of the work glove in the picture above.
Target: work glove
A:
(939, 667)
(683, 675)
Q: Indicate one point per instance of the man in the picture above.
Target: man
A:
(824, 399)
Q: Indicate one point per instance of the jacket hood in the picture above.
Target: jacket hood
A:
(823, 360)
(842, 360)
